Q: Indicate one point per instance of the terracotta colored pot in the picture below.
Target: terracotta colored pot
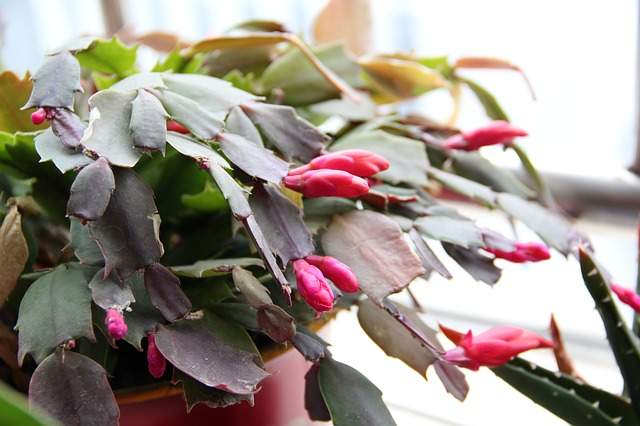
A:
(280, 401)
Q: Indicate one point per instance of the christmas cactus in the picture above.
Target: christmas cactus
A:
(162, 226)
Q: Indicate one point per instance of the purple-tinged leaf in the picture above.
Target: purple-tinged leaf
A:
(148, 122)
(479, 266)
(497, 241)
(351, 398)
(165, 292)
(215, 267)
(281, 222)
(262, 245)
(56, 82)
(313, 402)
(127, 232)
(430, 261)
(276, 323)
(463, 186)
(252, 158)
(108, 134)
(232, 191)
(84, 247)
(459, 231)
(68, 127)
(256, 294)
(91, 191)
(293, 136)
(196, 393)
(110, 293)
(211, 93)
(142, 80)
(50, 148)
(310, 345)
(55, 308)
(238, 123)
(373, 246)
(199, 349)
(200, 121)
(201, 153)
(142, 317)
(74, 390)
(397, 341)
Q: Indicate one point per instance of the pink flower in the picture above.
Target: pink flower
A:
(524, 252)
(494, 133)
(38, 116)
(627, 296)
(358, 162)
(116, 327)
(156, 363)
(339, 273)
(312, 286)
(174, 126)
(327, 183)
(491, 348)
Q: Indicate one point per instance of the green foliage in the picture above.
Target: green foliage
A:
(110, 57)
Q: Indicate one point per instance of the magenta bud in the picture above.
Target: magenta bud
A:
(627, 296)
(38, 116)
(358, 162)
(327, 183)
(524, 252)
(116, 327)
(494, 133)
(156, 363)
(312, 286)
(339, 273)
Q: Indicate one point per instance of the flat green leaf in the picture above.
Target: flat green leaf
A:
(209, 351)
(301, 83)
(74, 390)
(50, 148)
(45, 319)
(14, 93)
(211, 93)
(91, 191)
(554, 229)
(281, 222)
(148, 122)
(457, 231)
(562, 402)
(15, 411)
(231, 190)
(253, 290)
(85, 248)
(293, 136)
(203, 123)
(253, 159)
(407, 157)
(143, 80)
(110, 293)
(109, 56)
(14, 252)
(473, 190)
(490, 104)
(56, 82)
(373, 246)
(351, 398)
(127, 232)
(108, 134)
(623, 342)
(201, 153)
(215, 267)
(209, 200)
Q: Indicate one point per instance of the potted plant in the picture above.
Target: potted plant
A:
(172, 225)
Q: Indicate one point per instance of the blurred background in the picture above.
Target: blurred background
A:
(581, 59)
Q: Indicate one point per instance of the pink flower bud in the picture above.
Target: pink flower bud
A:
(174, 126)
(358, 162)
(327, 183)
(494, 133)
(339, 273)
(524, 252)
(492, 348)
(116, 327)
(627, 296)
(312, 286)
(156, 363)
(38, 116)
